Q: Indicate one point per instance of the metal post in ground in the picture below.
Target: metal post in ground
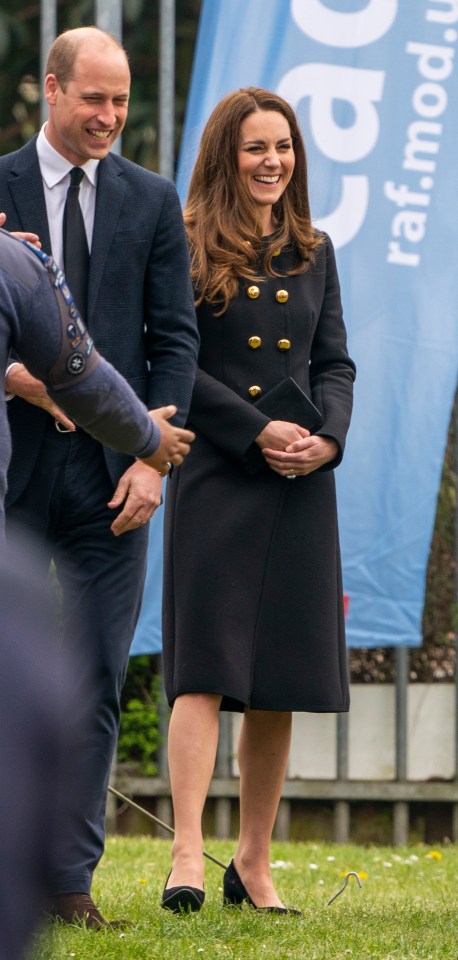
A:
(342, 807)
(401, 808)
(223, 769)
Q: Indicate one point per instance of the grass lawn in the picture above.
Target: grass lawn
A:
(406, 909)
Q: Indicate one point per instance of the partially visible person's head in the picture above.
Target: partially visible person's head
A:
(87, 88)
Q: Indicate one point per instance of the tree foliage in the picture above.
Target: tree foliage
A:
(20, 69)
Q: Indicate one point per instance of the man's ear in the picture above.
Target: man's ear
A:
(50, 87)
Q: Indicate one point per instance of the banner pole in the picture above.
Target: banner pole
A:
(108, 17)
(48, 25)
(167, 88)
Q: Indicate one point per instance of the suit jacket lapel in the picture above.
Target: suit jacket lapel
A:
(26, 188)
(110, 194)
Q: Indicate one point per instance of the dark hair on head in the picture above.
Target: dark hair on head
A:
(222, 219)
(66, 47)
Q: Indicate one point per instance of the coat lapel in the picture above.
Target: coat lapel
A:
(26, 189)
(110, 195)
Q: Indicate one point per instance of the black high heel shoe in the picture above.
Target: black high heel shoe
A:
(234, 893)
(182, 899)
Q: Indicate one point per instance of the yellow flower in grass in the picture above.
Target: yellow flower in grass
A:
(359, 873)
(434, 855)
(142, 880)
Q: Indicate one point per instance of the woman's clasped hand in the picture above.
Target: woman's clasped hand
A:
(287, 448)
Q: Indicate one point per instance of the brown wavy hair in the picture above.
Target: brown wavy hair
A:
(222, 219)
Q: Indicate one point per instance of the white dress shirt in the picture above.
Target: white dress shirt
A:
(55, 171)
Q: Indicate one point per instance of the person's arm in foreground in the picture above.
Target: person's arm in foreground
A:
(88, 388)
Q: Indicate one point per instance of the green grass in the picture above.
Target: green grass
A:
(407, 908)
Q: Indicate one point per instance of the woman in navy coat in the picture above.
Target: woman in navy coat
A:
(253, 617)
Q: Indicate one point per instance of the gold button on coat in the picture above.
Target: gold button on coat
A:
(253, 292)
(276, 253)
(281, 296)
(254, 342)
(254, 391)
(284, 344)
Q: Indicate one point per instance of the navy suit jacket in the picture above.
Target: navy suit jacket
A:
(140, 301)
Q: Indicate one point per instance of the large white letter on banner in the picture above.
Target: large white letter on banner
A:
(344, 29)
(324, 83)
(348, 217)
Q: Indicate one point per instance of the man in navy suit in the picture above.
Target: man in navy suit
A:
(90, 505)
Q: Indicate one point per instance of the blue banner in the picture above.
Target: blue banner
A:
(374, 84)
(148, 635)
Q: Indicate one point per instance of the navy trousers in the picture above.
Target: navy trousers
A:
(101, 579)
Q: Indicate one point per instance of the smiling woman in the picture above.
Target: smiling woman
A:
(266, 160)
(253, 613)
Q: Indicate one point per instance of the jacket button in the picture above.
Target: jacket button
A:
(254, 391)
(253, 292)
(276, 253)
(281, 296)
(254, 342)
(284, 344)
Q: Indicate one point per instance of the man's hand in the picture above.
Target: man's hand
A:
(31, 237)
(20, 382)
(175, 441)
(139, 489)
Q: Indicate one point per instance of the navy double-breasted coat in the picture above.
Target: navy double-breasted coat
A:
(253, 606)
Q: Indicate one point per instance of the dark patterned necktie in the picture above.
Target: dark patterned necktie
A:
(76, 251)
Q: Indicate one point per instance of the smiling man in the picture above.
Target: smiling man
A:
(88, 97)
(89, 504)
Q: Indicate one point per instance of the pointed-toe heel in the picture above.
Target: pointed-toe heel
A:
(182, 899)
(235, 893)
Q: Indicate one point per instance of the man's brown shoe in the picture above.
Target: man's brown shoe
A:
(80, 908)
